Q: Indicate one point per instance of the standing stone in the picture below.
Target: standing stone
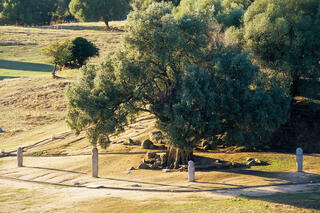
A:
(95, 162)
(191, 170)
(20, 157)
(299, 157)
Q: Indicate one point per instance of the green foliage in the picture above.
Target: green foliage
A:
(70, 53)
(284, 35)
(82, 49)
(61, 12)
(60, 53)
(226, 12)
(27, 12)
(99, 10)
(141, 5)
(169, 68)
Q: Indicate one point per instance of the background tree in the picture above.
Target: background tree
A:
(142, 5)
(226, 12)
(195, 89)
(284, 35)
(99, 10)
(61, 12)
(27, 12)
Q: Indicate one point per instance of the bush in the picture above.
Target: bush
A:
(70, 53)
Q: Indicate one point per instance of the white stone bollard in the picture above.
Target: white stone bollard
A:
(191, 171)
(299, 158)
(94, 162)
(20, 157)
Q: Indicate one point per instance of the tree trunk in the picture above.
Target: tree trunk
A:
(176, 157)
(54, 71)
(107, 24)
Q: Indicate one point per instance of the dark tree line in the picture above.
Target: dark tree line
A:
(29, 12)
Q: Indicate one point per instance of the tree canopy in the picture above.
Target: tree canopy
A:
(99, 10)
(284, 35)
(195, 88)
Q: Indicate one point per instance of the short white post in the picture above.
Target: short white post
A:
(20, 157)
(95, 162)
(299, 158)
(191, 171)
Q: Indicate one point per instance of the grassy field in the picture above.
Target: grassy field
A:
(20, 47)
(18, 199)
(33, 108)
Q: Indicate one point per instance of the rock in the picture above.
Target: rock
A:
(1, 130)
(151, 155)
(206, 147)
(250, 159)
(147, 144)
(251, 163)
(166, 170)
(76, 184)
(156, 136)
(143, 166)
(135, 185)
(131, 168)
(156, 165)
(163, 147)
(2, 151)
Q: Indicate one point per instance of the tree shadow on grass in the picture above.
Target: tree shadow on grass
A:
(7, 77)
(25, 66)
(304, 200)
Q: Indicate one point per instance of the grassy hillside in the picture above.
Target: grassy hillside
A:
(20, 47)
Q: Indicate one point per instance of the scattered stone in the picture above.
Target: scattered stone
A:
(163, 147)
(250, 159)
(166, 170)
(151, 155)
(156, 136)
(206, 147)
(156, 165)
(128, 172)
(135, 185)
(251, 163)
(53, 137)
(147, 144)
(131, 168)
(76, 184)
(143, 166)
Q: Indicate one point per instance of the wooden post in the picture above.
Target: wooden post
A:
(95, 162)
(20, 157)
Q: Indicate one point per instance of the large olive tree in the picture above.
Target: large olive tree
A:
(195, 89)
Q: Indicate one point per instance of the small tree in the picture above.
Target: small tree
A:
(70, 53)
(60, 54)
(99, 10)
(195, 89)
